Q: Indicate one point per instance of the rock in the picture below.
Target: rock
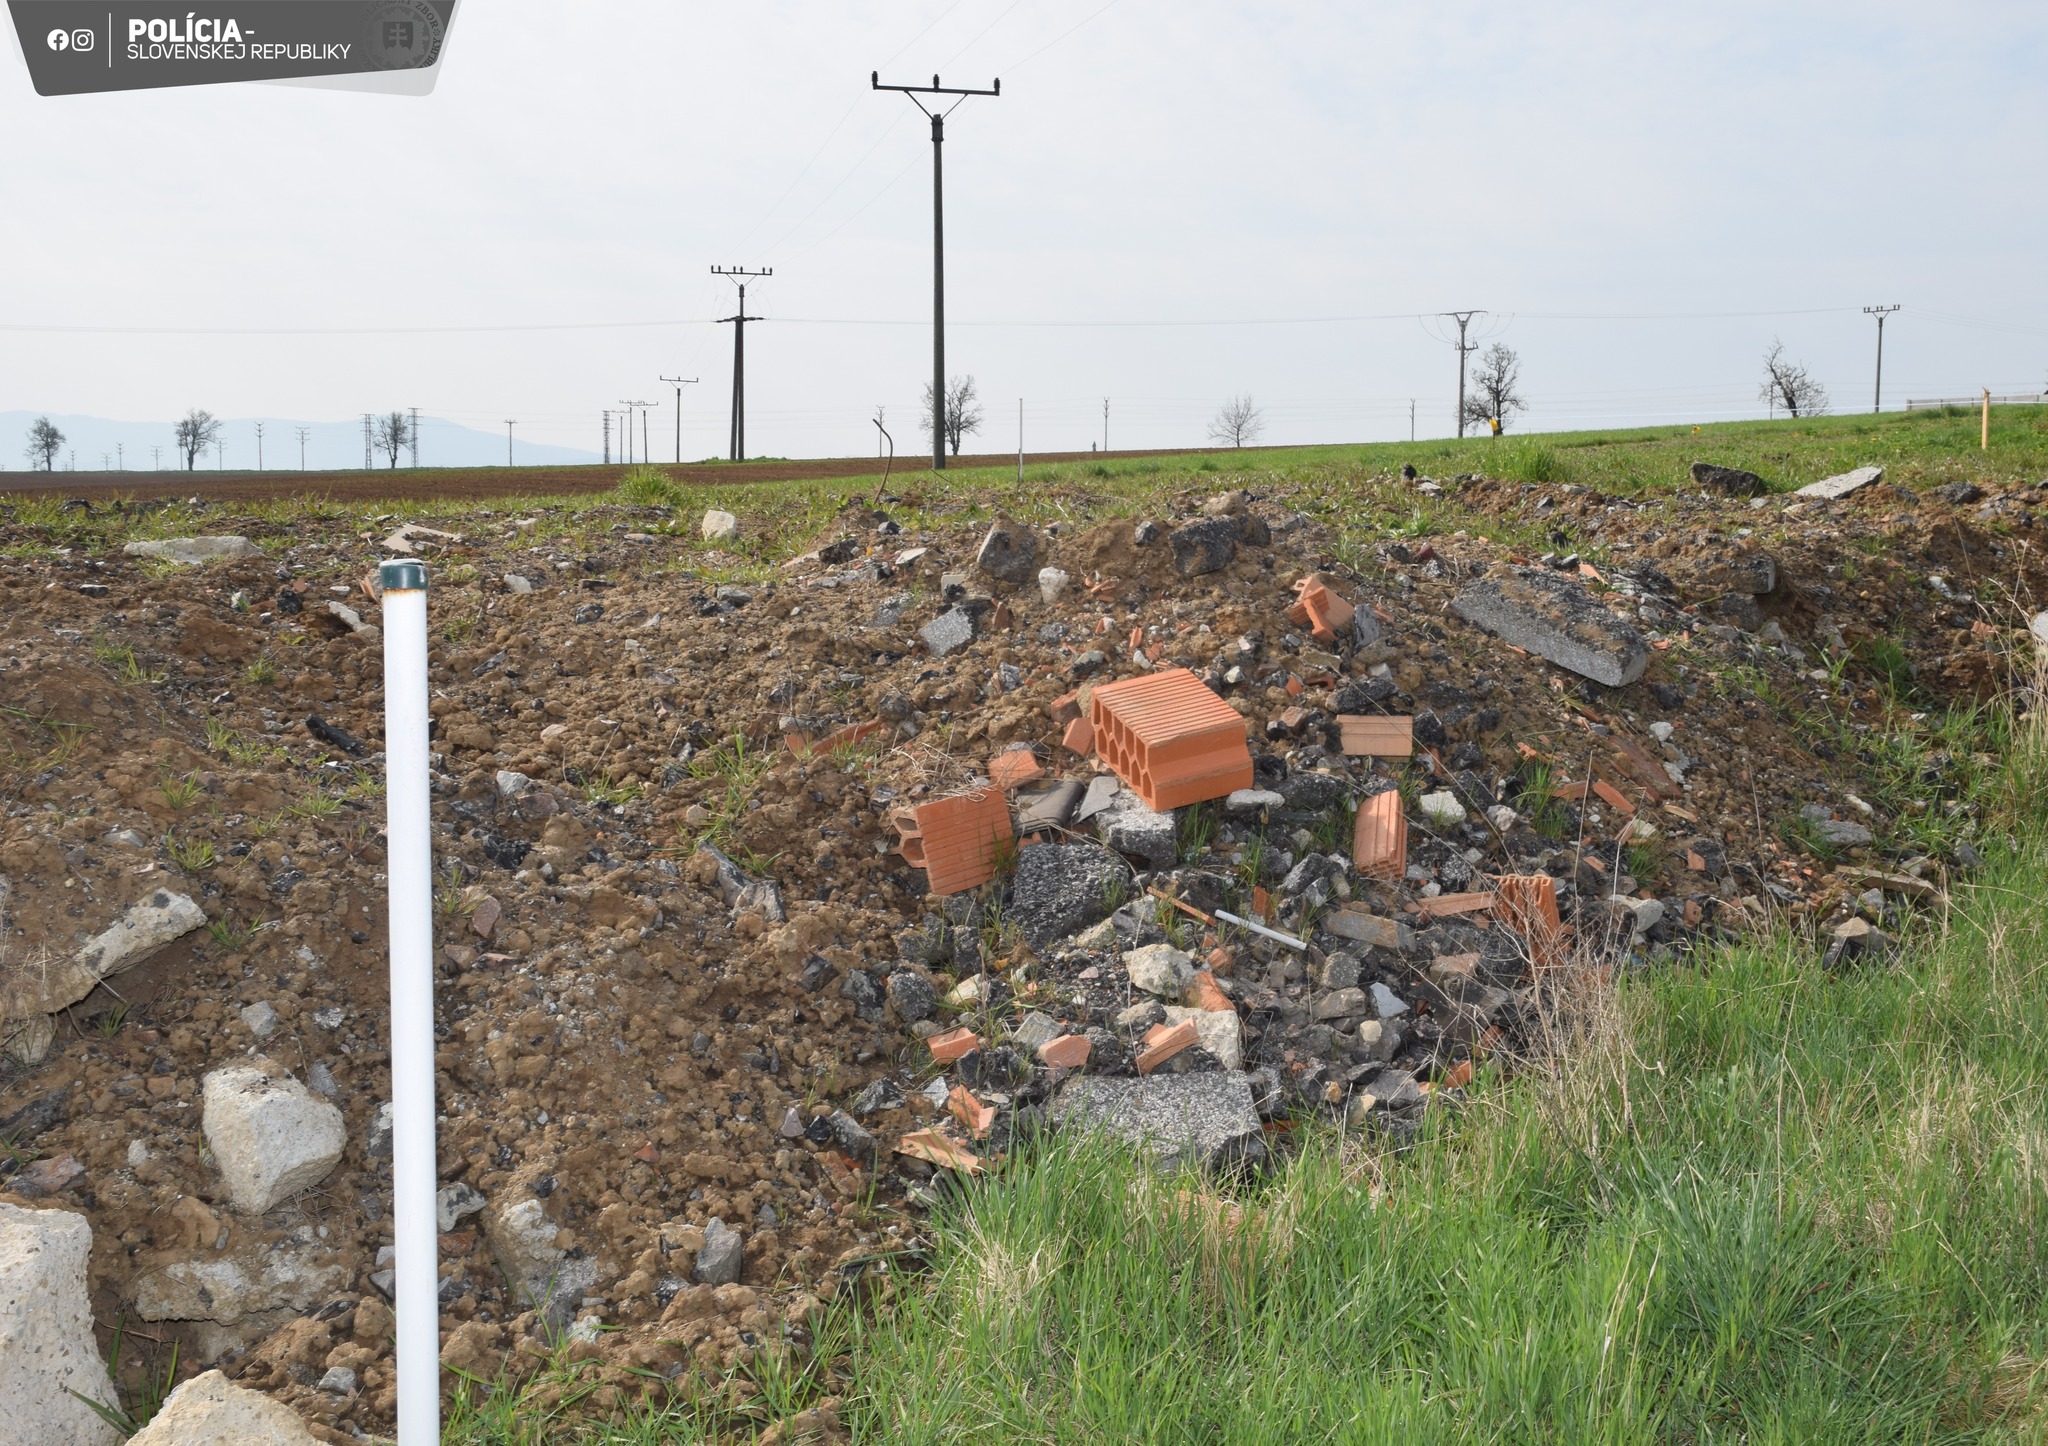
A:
(211, 1410)
(349, 618)
(511, 784)
(1855, 938)
(47, 1349)
(849, 1134)
(731, 596)
(261, 1017)
(1841, 833)
(1728, 481)
(1198, 1119)
(1339, 971)
(1755, 573)
(522, 1240)
(195, 550)
(1204, 547)
(515, 583)
(911, 994)
(1052, 581)
(269, 1136)
(1842, 484)
(1160, 969)
(1033, 1030)
(2039, 628)
(719, 526)
(1133, 829)
(1145, 534)
(1960, 494)
(1387, 1003)
(1060, 888)
(249, 1279)
(1378, 1039)
(949, 632)
(741, 892)
(1341, 1002)
(1009, 553)
(51, 1175)
(1251, 802)
(377, 1137)
(338, 1380)
(881, 1094)
(1442, 808)
(1217, 1030)
(720, 1256)
(455, 1203)
(148, 925)
(1555, 618)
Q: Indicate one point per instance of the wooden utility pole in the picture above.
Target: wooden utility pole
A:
(1984, 440)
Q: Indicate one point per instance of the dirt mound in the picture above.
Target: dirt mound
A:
(686, 978)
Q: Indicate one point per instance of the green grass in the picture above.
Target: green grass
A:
(1750, 1201)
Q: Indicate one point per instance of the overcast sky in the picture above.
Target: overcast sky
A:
(1302, 167)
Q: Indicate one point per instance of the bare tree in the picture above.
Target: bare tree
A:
(1786, 384)
(393, 433)
(43, 441)
(1492, 396)
(195, 433)
(962, 413)
(1237, 422)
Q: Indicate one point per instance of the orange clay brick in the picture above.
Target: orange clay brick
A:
(1069, 1051)
(1365, 736)
(1171, 740)
(1203, 992)
(1379, 845)
(1163, 1042)
(1067, 707)
(955, 840)
(935, 1149)
(969, 1111)
(1528, 905)
(1613, 796)
(1445, 905)
(953, 1044)
(1458, 1075)
(1079, 737)
(1014, 768)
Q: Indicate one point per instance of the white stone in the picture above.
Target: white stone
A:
(1841, 485)
(211, 1410)
(719, 526)
(350, 618)
(46, 1343)
(149, 923)
(1160, 969)
(138, 1153)
(248, 1280)
(512, 783)
(1249, 802)
(522, 1241)
(1052, 581)
(1502, 817)
(269, 1136)
(1218, 1029)
(2039, 628)
(967, 993)
(261, 1017)
(1662, 732)
(1442, 808)
(453, 1203)
(1388, 1003)
(195, 549)
(515, 583)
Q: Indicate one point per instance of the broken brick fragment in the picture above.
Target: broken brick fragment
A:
(1365, 736)
(979, 1118)
(1527, 904)
(1067, 707)
(1612, 796)
(1079, 738)
(1171, 740)
(1443, 906)
(1204, 993)
(1379, 844)
(1014, 768)
(1163, 1042)
(956, 840)
(953, 1044)
(935, 1149)
(1069, 1051)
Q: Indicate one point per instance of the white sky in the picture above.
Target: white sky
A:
(1148, 161)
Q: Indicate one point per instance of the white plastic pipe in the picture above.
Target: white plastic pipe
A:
(410, 862)
(1257, 928)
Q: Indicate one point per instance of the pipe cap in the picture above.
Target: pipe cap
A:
(407, 574)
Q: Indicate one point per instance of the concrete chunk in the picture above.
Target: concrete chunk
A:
(148, 924)
(269, 1136)
(211, 1410)
(1829, 489)
(1198, 1119)
(949, 632)
(1009, 553)
(718, 526)
(1217, 1029)
(195, 550)
(1557, 619)
(46, 1343)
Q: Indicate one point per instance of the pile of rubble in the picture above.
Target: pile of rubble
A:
(770, 905)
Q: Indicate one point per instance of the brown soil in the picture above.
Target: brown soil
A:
(454, 484)
(624, 1047)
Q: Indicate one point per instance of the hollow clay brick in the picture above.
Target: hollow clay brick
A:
(1171, 740)
(956, 840)
(1366, 736)
(1379, 843)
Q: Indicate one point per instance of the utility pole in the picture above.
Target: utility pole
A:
(607, 436)
(1411, 419)
(508, 439)
(120, 456)
(414, 434)
(302, 431)
(739, 319)
(106, 461)
(259, 446)
(938, 241)
(680, 383)
(1020, 441)
(881, 412)
(1105, 424)
(366, 441)
(643, 427)
(1464, 319)
(156, 459)
(1880, 312)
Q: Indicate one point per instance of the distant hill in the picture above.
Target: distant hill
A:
(329, 445)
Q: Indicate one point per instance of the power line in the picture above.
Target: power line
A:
(739, 319)
(1877, 391)
(1464, 319)
(938, 119)
(302, 431)
(413, 435)
(679, 383)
